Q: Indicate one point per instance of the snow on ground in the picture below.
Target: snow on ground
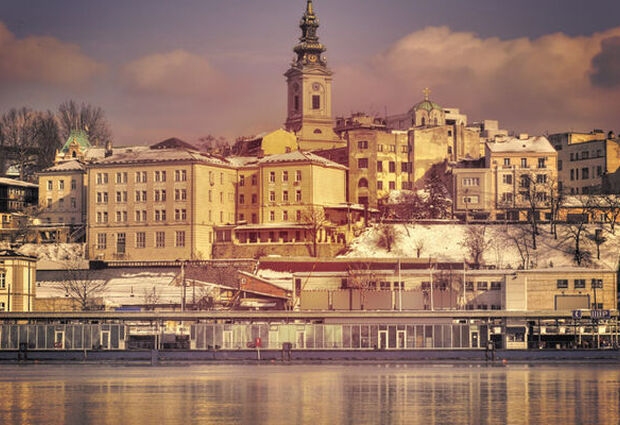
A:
(445, 242)
(54, 252)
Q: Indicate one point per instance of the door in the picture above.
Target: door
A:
(59, 340)
(301, 339)
(474, 339)
(105, 340)
(228, 340)
(273, 339)
(383, 340)
(401, 338)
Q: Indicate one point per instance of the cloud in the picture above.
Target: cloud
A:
(177, 73)
(532, 85)
(43, 60)
(607, 64)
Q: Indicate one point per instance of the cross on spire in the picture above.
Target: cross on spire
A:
(426, 92)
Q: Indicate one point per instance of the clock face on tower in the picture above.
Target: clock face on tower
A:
(316, 87)
(312, 58)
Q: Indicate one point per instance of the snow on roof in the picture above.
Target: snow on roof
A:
(599, 201)
(299, 156)
(160, 155)
(243, 161)
(71, 165)
(14, 182)
(538, 144)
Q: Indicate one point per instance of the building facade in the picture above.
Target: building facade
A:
(17, 281)
(587, 162)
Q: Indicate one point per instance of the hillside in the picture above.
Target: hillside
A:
(446, 242)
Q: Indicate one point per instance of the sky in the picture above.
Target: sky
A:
(190, 68)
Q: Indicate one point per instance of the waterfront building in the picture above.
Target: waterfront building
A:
(17, 281)
(16, 197)
(519, 178)
(587, 162)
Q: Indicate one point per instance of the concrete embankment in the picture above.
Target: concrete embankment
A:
(163, 356)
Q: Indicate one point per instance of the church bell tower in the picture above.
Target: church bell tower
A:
(309, 84)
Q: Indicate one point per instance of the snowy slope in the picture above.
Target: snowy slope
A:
(445, 242)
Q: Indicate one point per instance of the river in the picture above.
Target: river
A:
(314, 394)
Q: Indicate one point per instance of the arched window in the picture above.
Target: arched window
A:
(423, 121)
(74, 154)
(318, 131)
(435, 121)
(362, 183)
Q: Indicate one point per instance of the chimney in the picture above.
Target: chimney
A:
(523, 136)
(108, 149)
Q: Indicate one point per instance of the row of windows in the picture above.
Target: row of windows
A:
(524, 163)
(363, 144)
(576, 156)
(484, 286)
(2, 280)
(61, 185)
(159, 240)
(585, 173)
(391, 185)
(579, 283)
(284, 177)
(141, 177)
(61, 203)
(272, 196)
(405, 167)
(180, 214)
(140, 196)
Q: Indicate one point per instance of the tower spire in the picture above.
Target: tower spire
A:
(309, 49)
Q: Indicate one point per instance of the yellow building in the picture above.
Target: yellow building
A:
(158, 204)
(285, 200)
(275, 142)
(17, 281)
(519, 176)
(62, 194)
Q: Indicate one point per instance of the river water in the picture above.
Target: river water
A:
(310, 394)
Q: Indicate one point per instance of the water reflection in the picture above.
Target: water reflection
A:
(317, 394)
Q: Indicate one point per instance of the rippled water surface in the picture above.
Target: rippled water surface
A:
(310, 393)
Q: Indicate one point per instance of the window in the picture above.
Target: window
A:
(392, 185)
(242, 199)
(272, 177)
(379, 166)
(562, 283)
(298, 196)
(559, 165)
(61, 203)
(316, 101)
(471, 199)
(255, 179)
(101, 241)
(392, 148)
(542, 162)
(285, 196)
(284, 176)
(180, 214)
(254, 198)
(102, 178)
(580, 283)
(404, 167)
(507, 178)
(284, 215)
(392, 166)
(597, 283)
(140, 240)
(298, 215)
(296, 101)
(2, 280)
(180, 175)
(298, 175)
(121, 177)
(585, 155)
(180, 239)
(241, 180)
(469, 286)
(523, 162)
(73, 203)
(272, 216)
(50, 185)
(180, 194)
(525, 181)
(506, 162)
(362, 163)
(471, 181)
(404, 149)
(585, 173)
(160, 239)
(541, 178)
(61, 185)
(379, 185)
(363, 183)
(482, 286)
(272, 196)
(572, 174)
(362, 144)
(496, 286)
(506, 197)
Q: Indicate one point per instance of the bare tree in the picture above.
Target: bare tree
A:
(18, 135)
(419, 246)
(85, 117)
(362, 278)
(47, 138)
(216, 145)
(535, 189)
(314, 217)
(557, 199)
(387, 235)
(151, 298)
(519, 237)
(599, 239)
(609, 205)
(81, 285)
(577, 226)
(476, 243)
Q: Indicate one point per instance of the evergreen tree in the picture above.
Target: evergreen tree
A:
(438, 202)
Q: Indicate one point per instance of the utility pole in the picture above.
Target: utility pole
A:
(183, 283)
